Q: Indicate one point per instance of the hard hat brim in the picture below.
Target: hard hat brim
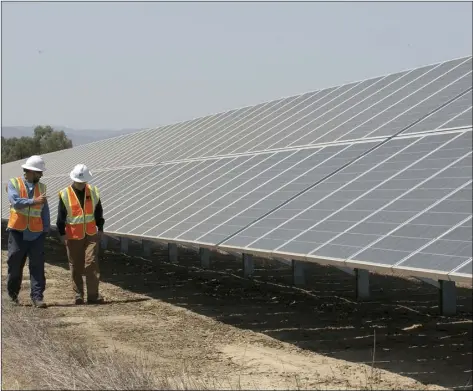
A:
(31, 168)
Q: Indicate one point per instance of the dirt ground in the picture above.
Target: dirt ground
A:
(261, 333)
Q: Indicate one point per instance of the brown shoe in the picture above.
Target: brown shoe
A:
(98, 300)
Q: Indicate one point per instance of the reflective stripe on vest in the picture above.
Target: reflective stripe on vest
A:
(29, 217)
(80, 222)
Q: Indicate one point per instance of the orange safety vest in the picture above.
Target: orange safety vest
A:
(80, 222)
(30, 217)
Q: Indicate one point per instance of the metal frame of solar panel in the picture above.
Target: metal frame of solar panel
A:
(371, 175)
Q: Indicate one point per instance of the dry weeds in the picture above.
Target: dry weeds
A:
(47, 362)
(36, 347)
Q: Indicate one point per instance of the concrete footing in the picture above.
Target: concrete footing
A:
(124, 245)
(448, 298)
(248, 265)
(172, 250)
(204, 257)
(362, 277)
(298, 273)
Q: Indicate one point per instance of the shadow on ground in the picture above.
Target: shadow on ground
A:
(74, 305)
(411, 338)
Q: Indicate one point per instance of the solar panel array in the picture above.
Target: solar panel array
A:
(373, 174)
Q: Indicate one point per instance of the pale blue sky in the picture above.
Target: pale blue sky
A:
(134, 65)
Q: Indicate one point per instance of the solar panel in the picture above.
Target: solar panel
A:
(458, 113)
(374, 173)
(460, 120)
(268, 178)
(376, 107)
(378, 209)
(465, 268)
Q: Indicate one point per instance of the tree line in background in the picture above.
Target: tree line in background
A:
(45, 139)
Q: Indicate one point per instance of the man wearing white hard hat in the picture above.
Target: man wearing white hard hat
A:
(80, 224)
(27, 225)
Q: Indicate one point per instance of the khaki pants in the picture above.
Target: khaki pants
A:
(83, 260)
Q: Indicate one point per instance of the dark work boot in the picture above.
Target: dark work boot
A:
(13, 299)
(79, 300)
(95, 300)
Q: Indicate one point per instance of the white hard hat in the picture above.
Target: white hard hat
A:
(81, 174)
(34, 163)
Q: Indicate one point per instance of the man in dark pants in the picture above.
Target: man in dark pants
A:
(80, 224)
(28, 225)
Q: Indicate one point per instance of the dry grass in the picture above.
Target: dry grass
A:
(37, 351)
(46, 362)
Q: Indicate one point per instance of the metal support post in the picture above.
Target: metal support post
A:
(448, 298)
(172, 248)
(124, 245)
(298, 273)
(362, 284)
(248, 265)
(146, 247)
(104, 242)
(204, 257)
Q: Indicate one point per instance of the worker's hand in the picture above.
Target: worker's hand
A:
(40, 200)
(62, 238)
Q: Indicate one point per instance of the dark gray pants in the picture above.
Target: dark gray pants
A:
(18, 249)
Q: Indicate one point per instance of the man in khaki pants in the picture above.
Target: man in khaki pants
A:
(80, 224)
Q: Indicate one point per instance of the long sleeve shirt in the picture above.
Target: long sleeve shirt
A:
(20, 203)
(62, 213)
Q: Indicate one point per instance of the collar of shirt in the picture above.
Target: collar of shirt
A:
(29, 185)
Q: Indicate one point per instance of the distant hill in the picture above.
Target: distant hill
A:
(77, 136)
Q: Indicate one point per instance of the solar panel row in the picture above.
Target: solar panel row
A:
(405, 204)
(391, 207)
(377, 107)
(318, 176)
